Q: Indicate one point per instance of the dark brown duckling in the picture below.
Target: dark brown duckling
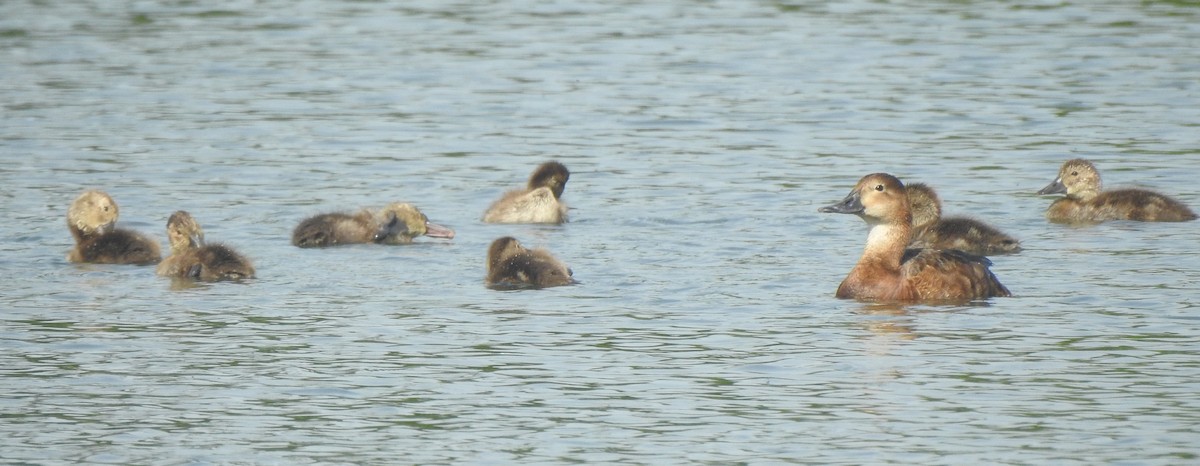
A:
(931, 230)
(888, 271)
(192, 258)
(512, 265)
(398, 223)
(1085, 202)
(539, 202)
(92, 219)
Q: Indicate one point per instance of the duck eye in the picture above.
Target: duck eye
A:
(879, 187)
(1074, 173)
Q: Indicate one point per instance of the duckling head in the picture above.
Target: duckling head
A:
(1077, 178)
(184, 232)
(93, 213)
(925, 204)
(502, 249)
(400, 222)
(551, 175)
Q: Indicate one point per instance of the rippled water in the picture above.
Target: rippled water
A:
(702, 137)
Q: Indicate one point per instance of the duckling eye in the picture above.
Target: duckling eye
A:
(879, 187)
(1074, 173)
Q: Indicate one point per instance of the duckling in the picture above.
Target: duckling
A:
(511, 264)
(1086, 203)
(539, 202)
(397, 223)
(888, 271)
(92, 219)
(192, 258)
(931, 230)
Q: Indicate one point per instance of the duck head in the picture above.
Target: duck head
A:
(1077, 178)
(184, 232)
(925, 204)
(551, 175)
(93, 213)
(401, 222)
(877, 198)
(502, 249)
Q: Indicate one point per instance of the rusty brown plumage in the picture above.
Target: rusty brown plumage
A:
(889, 271)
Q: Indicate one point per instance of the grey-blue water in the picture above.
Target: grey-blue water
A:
(702, 137)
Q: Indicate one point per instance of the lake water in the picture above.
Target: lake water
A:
(702, 137)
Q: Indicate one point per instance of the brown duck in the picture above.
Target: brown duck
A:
(888, 271)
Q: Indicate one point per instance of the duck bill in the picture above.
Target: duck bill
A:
(1056, 187)
(437, 231)
(852, 204)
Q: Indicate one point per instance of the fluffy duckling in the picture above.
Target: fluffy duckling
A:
(888, 271)
(1086, 203)
(539, 202)
(931, 230)
(92, 219)
(512, 265)
(192, 258)
(398, 223)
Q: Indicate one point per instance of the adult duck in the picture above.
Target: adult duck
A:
(889, 271)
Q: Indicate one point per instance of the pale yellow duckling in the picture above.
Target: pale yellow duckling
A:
(539, 202)
(92, 219)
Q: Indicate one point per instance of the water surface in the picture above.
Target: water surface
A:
(702, 138)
